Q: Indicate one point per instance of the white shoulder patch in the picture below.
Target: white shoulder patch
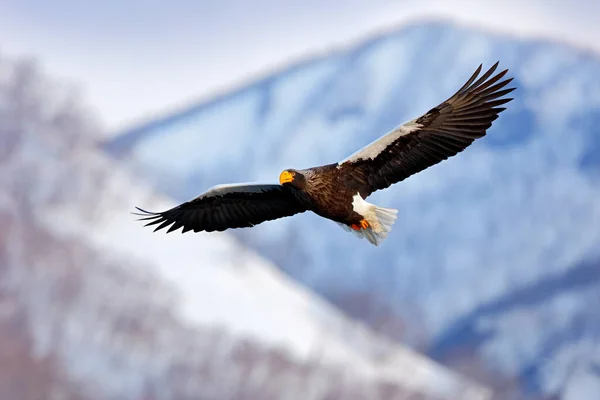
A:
(251, 187)
(361, 206)
(373, 149)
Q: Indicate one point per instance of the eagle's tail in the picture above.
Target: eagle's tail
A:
(381, 221)
(386, 218)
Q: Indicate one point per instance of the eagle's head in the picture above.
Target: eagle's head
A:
(293, 178)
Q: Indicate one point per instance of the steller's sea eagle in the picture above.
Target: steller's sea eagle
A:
(338, 191)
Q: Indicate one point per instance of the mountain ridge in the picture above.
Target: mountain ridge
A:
(191, 106)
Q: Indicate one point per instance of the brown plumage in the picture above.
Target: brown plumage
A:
(338, 191)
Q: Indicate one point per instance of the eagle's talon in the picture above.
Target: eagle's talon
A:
(363, 224)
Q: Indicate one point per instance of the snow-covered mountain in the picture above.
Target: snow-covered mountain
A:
(94, 307)
(495, 252)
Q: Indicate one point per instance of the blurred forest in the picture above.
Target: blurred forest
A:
(68, 311)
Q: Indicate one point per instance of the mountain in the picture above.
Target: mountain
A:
(93, 307)
(494, 256)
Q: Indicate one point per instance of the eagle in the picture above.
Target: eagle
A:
(339, 191)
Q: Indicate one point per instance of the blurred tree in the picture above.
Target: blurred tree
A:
(47, 141)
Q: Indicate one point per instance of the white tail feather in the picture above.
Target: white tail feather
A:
(381, 220)
(386, 218)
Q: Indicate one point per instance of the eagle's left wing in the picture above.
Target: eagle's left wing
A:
(442, 132)
(229, 206)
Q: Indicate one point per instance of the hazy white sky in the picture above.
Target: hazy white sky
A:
(134, 58)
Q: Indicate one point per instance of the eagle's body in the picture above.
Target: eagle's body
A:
(329, 196)
(338, 191)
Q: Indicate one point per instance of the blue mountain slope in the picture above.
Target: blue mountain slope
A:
(516, 208)
(541, 330)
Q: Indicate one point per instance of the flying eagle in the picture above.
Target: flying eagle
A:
(338, 191)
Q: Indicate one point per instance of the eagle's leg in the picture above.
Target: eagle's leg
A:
(364, 224)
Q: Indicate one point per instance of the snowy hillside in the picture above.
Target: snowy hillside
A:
(97, 308)
(516, 210)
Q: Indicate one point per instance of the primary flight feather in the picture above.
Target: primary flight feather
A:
(338, 191)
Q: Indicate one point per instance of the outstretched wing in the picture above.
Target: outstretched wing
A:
(229, 206)
(442, 132)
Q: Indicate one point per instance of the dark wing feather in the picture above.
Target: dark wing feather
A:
(229, 206)
(442, 132)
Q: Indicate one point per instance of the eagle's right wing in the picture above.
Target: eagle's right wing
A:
(442, 132)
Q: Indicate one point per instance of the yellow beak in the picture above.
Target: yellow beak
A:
(286, 177)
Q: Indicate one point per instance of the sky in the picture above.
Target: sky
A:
(134, 59)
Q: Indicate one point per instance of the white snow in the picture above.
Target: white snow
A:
(123, 310)
(220, 283)
(372, 150)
